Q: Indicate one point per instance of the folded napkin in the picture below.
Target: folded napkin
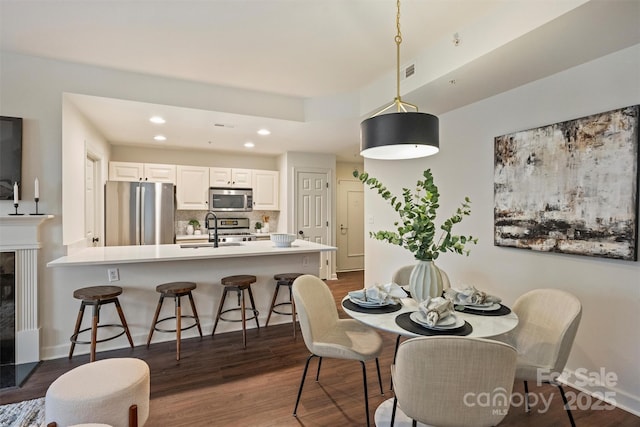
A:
(435, 309)
(470, 295)
(381, 294)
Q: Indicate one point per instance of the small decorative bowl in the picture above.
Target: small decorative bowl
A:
(282, 240)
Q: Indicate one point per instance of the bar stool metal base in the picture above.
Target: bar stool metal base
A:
(284, 313)
(74, 338)
(183, 328)
(254, 314)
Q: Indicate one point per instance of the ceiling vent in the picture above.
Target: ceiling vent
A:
(409, 71)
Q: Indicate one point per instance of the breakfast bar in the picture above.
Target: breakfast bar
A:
(139, 269)
(108, 255)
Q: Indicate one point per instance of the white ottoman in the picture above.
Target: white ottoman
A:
(100, 392)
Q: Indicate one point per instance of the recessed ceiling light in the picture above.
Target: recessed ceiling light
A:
(160, 138)
(157, 120)
(264, 132)
(249, 144)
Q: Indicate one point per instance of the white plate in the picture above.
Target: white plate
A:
(367, 304)
(484, 307)
(450, 322)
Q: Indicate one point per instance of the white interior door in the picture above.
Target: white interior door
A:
(350, 232)
(312, 206)
(91, 223)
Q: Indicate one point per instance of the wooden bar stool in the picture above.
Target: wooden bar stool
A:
(175, 290)
(238, 284)
(284, 279)
(97, 296)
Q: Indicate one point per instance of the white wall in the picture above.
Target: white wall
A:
(345, 170)
(608, 289)
(81, 137)
(192, 158)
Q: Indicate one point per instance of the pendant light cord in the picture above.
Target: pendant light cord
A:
(398, 100)
(398, 103)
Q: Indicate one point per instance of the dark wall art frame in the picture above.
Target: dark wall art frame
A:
(570, 187)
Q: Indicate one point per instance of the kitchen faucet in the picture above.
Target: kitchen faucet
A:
(215, 227)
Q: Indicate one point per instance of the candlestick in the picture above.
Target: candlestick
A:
(15, 205)
(15, 193)
(36, 199)
(36, 192)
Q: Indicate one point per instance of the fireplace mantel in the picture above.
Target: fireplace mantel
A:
(20, 231)
(19, 234)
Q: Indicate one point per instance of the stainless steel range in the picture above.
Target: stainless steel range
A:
(231, 230)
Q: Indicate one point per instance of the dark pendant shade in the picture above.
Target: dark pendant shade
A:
(402, 135)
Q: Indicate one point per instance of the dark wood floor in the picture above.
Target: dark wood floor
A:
(217, 383)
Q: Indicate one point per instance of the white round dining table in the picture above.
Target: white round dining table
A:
(483, 326)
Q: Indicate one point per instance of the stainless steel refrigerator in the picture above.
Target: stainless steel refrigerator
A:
(139, 213)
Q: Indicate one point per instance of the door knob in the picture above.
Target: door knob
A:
(342, 227)
(301, 232)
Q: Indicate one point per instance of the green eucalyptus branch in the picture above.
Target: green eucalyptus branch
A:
(416, 229)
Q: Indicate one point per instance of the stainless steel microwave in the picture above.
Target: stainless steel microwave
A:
(224, 199)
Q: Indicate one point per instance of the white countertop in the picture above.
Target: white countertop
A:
(156, 253)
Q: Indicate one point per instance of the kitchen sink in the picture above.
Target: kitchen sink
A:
(207, 245)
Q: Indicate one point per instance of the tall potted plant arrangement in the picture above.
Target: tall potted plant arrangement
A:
(416, 230)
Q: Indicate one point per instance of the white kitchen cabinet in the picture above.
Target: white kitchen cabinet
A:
(266, 186)
(125, 171)
(131, 171)
(156, 172)
(192, 187)
(228, 177)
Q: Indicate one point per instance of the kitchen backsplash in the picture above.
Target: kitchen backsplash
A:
(182, 218)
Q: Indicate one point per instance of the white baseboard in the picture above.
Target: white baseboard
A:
(609, 394)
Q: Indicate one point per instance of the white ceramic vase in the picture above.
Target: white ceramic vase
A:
(189, 229)
(425, 280)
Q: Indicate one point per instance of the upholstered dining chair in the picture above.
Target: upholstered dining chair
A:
(548, 320)
(326, 335)
(445, 380)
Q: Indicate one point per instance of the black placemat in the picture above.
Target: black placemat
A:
(407, 324)
(350, 305)
(502, 311)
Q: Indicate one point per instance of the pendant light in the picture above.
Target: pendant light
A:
(401, 134)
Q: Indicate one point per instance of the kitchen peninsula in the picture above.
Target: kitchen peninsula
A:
(139, 269)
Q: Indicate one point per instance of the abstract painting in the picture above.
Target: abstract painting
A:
(570, 187)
